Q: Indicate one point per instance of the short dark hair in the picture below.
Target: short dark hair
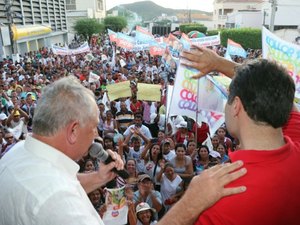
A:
(138, 116)
(266, 91)
(180, 145)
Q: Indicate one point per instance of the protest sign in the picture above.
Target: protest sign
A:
(206, 41)
(117, 209)
(57, 50)
(285, 53)
(200, 99)
(118, 90)
(149, 92)
(93, 77)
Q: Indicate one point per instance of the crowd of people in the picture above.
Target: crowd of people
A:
(161, 154)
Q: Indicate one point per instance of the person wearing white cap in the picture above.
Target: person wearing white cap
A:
(183, 134)
(145, 214)
(146, 193)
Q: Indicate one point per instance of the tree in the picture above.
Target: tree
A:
(88, 27)
(115, 23)
(186, 28)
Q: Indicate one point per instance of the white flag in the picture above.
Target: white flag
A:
(17, 131)
(93, 77)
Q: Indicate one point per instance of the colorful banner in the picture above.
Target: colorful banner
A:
(186, 42)
(112, 35)
(286, 53)
(118, 90)
(168, 60)
(197, 98)
(66, 51)
(142, 35)
(206, 41)
(141, 47)
(234, 48)
(222, 82)
(117, 209)
(213, 119)
(157, 49)
(175, 46)
(125, 41)
(149, 92)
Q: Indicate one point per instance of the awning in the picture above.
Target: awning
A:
(29, 31)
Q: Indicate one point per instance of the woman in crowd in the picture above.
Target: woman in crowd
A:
(191, 149)
(133, 177)
(215, 142)
(136, 106)
(89, 166)
(182, 163)
(109, 124)
(109, 143)
(223, 152)
(162, 137)
(171, 185)
(221, 132)
(97, 200)
(204, 160)
(145, 214)
(152, 156)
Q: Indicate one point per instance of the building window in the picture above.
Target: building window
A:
(227, 11)
(100, 4)
(71, 4)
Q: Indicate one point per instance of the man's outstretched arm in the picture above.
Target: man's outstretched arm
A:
(206, 60)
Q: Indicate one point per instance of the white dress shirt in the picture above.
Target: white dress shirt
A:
(39, 186)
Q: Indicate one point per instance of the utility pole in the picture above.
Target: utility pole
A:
(10, 19)
(273, 12)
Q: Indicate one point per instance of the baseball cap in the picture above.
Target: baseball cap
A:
(17, 113)
(182, 124)
(143, 177)
(143, 206)
(3, 116)
(166, 141)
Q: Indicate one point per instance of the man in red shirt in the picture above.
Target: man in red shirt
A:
(259, 104)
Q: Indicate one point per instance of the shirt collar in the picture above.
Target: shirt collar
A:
(257, 156)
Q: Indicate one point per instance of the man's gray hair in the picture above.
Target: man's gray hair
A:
(61, 103)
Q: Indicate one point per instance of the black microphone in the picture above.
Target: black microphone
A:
(96, 151)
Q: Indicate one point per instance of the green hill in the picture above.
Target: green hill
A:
(149, 10)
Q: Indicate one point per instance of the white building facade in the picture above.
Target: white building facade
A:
(222, 8)
(287, 15)
(81, 9)
(35, 24)
(255, 13)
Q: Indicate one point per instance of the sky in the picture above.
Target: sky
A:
(205, 5)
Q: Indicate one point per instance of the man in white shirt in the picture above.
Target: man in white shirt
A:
(138, 120)
(38, 176)
(168, 153)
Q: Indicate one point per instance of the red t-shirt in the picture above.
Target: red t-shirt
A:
(201, 132)
(136, 107)
(273, 185)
